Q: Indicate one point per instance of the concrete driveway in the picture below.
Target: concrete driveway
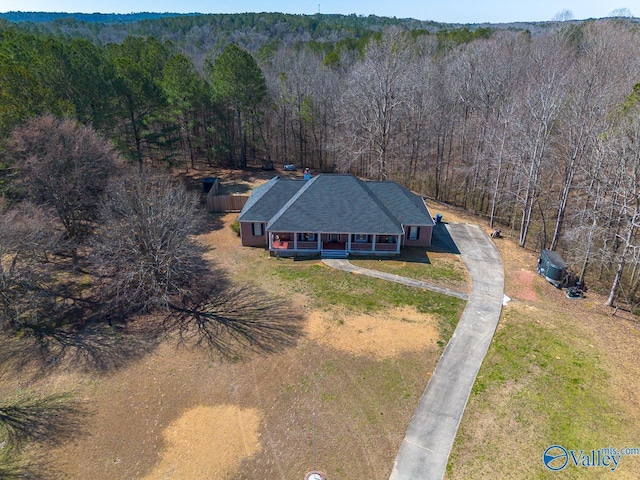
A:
(425, 449)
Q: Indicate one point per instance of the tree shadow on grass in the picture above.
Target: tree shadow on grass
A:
(210, 222)
(95, 347)
(50, 420)
(19, 465)
(234, 321)
(29, 425)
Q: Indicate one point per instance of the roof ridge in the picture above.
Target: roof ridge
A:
(379, 202)
(292, 200)
(257, 194)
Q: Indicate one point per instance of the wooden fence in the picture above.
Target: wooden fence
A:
(226, 203)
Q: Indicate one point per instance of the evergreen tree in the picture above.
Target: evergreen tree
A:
(238, 83)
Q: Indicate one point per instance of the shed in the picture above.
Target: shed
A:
(553, 268)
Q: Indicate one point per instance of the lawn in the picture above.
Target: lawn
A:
(558, 372)
(357, 293)
(540, 387)
(440, 269)
(360, 369)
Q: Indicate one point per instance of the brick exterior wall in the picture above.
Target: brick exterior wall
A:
(424, 237)
(249, 239)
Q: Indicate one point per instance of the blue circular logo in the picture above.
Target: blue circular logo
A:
(555, 458)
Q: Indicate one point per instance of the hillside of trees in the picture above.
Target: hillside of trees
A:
(44, 17)
(537, 130)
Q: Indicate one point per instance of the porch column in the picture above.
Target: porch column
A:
(270, 240)
(295, 240)
(373, 243)
(319, 241)
(348, 242)
(399, 239)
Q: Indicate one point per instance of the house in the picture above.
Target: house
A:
(334, 215)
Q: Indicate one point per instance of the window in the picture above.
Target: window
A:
(387, 239)
(414, 232)
(307, 237)
(257, 230)
(360, 238)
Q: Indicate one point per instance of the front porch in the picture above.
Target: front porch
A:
(304, 243)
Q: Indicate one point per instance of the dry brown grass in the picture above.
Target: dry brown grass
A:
(181, 414)
(208, 442)
(387, 335)
(166, 415)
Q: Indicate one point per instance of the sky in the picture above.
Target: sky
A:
(447, 11)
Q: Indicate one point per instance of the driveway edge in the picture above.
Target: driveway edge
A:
(427, 444)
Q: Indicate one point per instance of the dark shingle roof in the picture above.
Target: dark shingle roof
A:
(267, 199)
(404, 205)
(332, 203)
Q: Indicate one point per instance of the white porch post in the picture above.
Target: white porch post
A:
(295, 240)
(398, 243)
(270, 240)
(373, 243)
(319, 241)
(348, 242)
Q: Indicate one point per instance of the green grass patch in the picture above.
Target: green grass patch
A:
(416, 264)
(538, 386)
(328, 287)
(564, 385)
(235, 226)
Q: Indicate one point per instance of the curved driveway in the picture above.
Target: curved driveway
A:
(426, 446)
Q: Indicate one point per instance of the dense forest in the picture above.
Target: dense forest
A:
(536, 129)
(103, 18)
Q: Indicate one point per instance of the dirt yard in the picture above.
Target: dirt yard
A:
(178, 413)
(383, 336)
(208, 442)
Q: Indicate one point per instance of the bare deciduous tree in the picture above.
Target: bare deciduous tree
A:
(626, 198)
(26, 293)
(542, 102)
(65, 166)
(144, 249)
(371, 110)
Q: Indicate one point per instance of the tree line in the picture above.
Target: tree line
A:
(536, 131)
(533, 130)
